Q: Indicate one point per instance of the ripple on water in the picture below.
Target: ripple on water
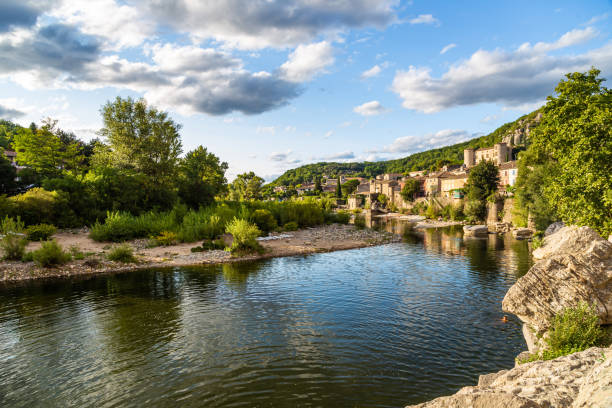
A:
(381, 326)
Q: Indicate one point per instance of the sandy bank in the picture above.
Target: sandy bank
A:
(312, 240)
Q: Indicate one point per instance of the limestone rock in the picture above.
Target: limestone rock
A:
(579, 380)
(522, 233)
(554, 227)
(576, 266)
(475, 230)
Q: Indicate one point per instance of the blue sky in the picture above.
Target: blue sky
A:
(270, 85)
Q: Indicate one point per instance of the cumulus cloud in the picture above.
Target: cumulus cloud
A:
(372, 72)
(307, 61)
(369, 109)
(347, 155)
(10, 113)
(511, 78)
(447, 48)
(413, 144)
(255, 24)
(425, 19)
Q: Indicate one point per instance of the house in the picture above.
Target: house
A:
(433, 183)
(451, 185)
(280, 189)
(416, 173)
(507, 173)
(498, 154)
(11, 156)
(304, 188)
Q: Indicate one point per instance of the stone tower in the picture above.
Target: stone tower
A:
(502, 153)
(469, 157)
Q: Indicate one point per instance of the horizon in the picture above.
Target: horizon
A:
(388, 93)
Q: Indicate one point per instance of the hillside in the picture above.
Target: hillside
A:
(427, 160)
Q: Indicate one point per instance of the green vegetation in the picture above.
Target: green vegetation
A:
(166, 238)
(360, 221)
(12, 239)
(121, 253)
(40, 232)
(244, 236)
(50, 254)
(410, 189)
(247, 186)
(291, 226)
(572, 330)
(480, 188)
(264, 220)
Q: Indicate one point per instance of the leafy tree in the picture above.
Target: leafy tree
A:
(410, 189)
(7, 175)
(202, 177)
(349, 187)
(573, 142)
(338, 188)
(482, 183)
(318, 187)
(141, 138)
(247, 186)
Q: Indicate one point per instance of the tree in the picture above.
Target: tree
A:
(349, 187)
(318, 187)
(482, 183)
(142, 138)
(7, 175)
(410, 189)
(573, 144)
(201, 177)
(338, 188)
(247, 186)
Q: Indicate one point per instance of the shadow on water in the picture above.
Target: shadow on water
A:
(381, 326)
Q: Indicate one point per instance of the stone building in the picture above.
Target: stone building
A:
(498, 154)
(451, 185)
(507, 173)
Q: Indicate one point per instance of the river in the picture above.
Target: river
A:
(380, 326)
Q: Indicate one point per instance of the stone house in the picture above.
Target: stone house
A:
(498, 154)
(452, 184)
(507, 173)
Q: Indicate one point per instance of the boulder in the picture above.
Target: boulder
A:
(522, 233)
(579, 380)
(475, 230)
(554, 227)
(575, 265)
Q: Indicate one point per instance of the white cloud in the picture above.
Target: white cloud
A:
(425, 19)
(369, 109)
(328, 134)
(10, 113)
(489, 118)
(447, 48)
(372, 72)
(307, 61)
(269, 130)
(347, 155)
(597, 19)
(412, 144)
(279, 156)
(525, 75)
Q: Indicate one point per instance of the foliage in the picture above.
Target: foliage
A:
(349, 187)
(13, 245)
(338, 188)
(264, 220)
(574, 329)
(247, 186)
(339, 217)
(166, 238)
(202, 177)
(432, 211)
(50, 254)
(7, 175)
(571, 155)
(40, 232)
(121, 253)
(76, 253)
(410, 189)
(244, 235)
(360, 221)
(9, 224)
(291, 226)
(208, 245)
(121, 226)
(482, 183)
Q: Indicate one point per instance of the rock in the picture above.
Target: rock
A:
(522, 233)
(502, 227)
(475, 230)
(579, 380)
(575, 266)
(554, 227)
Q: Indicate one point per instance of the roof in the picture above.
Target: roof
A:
(508, 165)
(457, 176)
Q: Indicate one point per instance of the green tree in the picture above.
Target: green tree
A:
(141, 138)
(573, 143)
(247, 186)
(318, 187)
(7, 175)
(338, 188)
(202, 177)
(410, 189)
(482, 183)
(349, 187)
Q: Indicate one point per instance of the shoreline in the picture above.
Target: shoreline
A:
(322, 239)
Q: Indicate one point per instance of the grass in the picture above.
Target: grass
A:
(121, 253)
(572, 330)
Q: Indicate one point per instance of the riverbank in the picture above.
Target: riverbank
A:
(326, 238)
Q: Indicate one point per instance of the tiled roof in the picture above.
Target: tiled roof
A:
(508, 165)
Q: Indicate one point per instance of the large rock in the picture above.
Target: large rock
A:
(575, 266)
(522, 233)
(579, 380)
(475, 230)
(554, 227)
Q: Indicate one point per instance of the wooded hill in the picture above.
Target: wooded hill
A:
(427, 160)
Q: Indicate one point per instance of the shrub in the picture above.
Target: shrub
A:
(291, 226)
(360, 221)
(264, 220)
(40, 232)
(210, 245)
(244, 234)
(121, 253)
(572, 330)
(13, 245)
(38, 205)
(166, 238)
(432, 212)
(340, 217)
(50, 254)
(9, 224)
(119, 226)
(76, 253)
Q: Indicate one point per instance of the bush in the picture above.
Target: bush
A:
(264, 220)
(120, 226)
(9, 224)
(291, 226)
(432, 211)
(50, 254)
(340, 217)
(13, 245)
(40, 232)
(210, 245)
(166, 238)
(360, 221)
(244, 236)
(574, 329)
(76, 253)
(121, 253)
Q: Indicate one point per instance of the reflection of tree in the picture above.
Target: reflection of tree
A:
(236, 274)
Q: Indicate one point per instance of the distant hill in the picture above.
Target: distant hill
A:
(427, 160)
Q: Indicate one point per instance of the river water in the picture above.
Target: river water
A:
(375, 327)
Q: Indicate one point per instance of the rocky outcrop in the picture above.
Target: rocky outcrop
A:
(475, 230)
(575, 265)
(522, 233)
(554, 227)
(579, 380)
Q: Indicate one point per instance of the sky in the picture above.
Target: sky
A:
(269, 85)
